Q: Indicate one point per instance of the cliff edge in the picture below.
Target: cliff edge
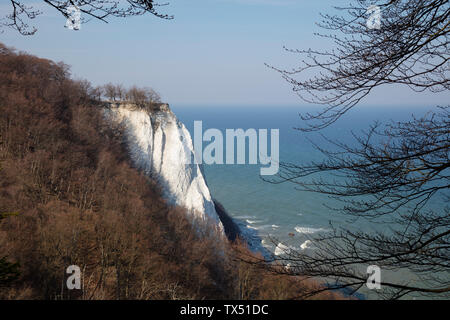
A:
(161, 146)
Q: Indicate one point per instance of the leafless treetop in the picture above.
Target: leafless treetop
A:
(20, 15)
(411, 47)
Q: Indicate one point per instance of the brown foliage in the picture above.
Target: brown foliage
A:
(258, 280)
(142, 96)
(79, 202)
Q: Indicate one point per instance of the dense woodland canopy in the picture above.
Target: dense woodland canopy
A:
(68, 196)
(66, 175)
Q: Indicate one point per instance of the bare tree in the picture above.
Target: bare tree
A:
(111, 91)
(9, 272)
(395, 171)
(142, 96)
(137, 96)
(411, 47)
(152, 95)
(21, 13)
(120, 92)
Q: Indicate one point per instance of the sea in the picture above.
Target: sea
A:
(273, 214)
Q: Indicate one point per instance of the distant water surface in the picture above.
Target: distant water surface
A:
(279, 210)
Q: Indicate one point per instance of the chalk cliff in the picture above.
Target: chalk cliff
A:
(161, 146)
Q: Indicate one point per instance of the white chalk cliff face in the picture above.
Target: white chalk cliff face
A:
(161, 146)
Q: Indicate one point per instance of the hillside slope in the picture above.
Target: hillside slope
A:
(72, 193)
(79, 201)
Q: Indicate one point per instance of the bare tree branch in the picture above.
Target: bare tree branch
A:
(410, 48)
(95, 9)
(395, 176)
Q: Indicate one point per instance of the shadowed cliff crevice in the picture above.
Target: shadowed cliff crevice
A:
(231, 229)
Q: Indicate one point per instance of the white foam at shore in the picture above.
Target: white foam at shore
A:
(281, 249)
(243, 217)
(307, 230)
(253, 221)
(305, 245)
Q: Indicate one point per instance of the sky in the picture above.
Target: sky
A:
(213, 53)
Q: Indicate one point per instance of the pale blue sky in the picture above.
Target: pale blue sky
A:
(212, 53)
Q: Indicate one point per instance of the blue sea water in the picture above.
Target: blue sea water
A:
(279, 211)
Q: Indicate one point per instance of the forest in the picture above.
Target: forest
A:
(69, 196)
